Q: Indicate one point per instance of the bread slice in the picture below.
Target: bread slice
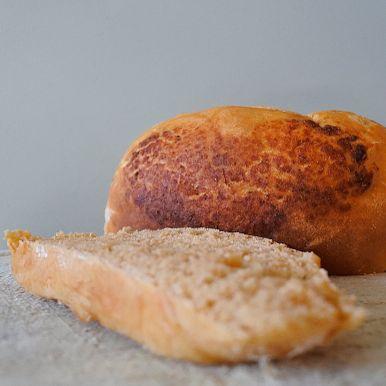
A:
(195, 294)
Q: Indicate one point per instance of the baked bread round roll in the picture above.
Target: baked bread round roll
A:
(316, 183)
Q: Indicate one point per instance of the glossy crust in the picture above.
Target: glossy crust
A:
(314, 182)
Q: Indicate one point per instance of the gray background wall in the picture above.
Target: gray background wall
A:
(79, 80)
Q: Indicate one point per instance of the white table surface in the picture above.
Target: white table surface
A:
(42, 343)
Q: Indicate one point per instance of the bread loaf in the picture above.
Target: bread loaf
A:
(316, 182)
(195, 294)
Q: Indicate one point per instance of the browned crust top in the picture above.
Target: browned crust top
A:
(249, 170)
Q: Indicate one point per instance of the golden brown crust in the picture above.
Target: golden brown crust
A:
(313, 182)
(14, 237)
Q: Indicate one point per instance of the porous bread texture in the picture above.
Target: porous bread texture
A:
(196, 294)
(316, 183)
